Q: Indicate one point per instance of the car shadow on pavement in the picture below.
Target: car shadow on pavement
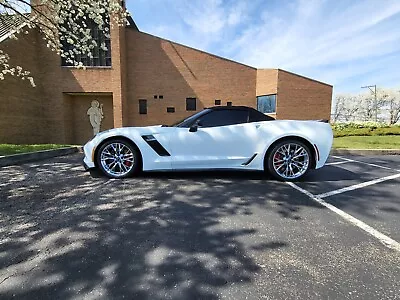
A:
(65, 234)
(329, 173)
(215, 174)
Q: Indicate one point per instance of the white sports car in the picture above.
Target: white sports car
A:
(223, 137)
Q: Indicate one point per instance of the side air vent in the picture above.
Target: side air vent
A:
(155, 145)
(250, 160)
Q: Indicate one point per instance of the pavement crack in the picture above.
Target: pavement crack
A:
(15, 274)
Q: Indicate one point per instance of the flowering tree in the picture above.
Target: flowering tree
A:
(392, 104)
(64, 24)
(362, 107)
(346, 107)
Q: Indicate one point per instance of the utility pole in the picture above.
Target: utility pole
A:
(373, 91)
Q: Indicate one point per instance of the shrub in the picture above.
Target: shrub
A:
(355, 125)
(394, 130)
(364, 128)
(352, 132)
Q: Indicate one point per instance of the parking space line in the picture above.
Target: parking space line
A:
(357, 186)
(337, 163)
(364, 163)
(384, 239)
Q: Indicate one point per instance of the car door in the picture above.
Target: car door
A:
(223, 139)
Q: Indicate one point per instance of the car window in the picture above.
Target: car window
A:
(256, 116)
(187, 122)
(224, 118)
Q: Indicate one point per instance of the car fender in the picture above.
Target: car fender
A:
(150, 159)
(318, 134)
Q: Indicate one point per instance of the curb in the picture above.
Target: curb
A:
(38, 155)
(365, 152)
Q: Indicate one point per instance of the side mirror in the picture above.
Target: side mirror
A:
(195, 126)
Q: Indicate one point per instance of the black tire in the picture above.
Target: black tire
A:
(118, 164)
(302, 166)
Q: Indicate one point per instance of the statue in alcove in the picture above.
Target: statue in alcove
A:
(95, 113)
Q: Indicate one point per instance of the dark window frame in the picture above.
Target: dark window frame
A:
(191, 107)
(142, 109)
(170, 109)
(217, 102)
(100, 58)
(229, 103)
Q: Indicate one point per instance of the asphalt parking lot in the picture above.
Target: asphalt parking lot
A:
(216, 235)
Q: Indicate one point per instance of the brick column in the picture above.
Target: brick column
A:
(118, 57)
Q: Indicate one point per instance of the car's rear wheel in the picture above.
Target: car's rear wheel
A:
(118, 159)
(289, 160)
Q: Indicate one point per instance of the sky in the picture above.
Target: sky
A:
(346, 43)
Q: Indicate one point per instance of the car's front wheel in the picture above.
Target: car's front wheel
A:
(118, 159)
(289, 160)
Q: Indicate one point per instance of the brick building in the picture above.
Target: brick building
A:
(142, 80)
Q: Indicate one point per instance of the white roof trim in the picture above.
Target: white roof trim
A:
(4, 37)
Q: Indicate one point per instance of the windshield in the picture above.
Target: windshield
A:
(190, 120)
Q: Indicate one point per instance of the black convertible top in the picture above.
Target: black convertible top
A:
(253, 115)
(220, 107)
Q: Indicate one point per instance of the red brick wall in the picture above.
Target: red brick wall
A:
(161, 67)
(302, 98)
(21, 106)
(267, 82)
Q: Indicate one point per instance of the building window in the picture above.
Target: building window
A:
(160, 97)
(143, 106)
(229, 103)
(266, 104)
(170, 109)
(155, 96)
(217, 102)
(190, 104)
(98, 56)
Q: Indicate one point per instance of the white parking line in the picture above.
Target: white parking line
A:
(364, 163)
(384, 239)
(358, 186)
(337, 163)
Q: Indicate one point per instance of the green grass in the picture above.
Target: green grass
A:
(9, 149)
(367, 142)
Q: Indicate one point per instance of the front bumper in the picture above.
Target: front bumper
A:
(88, 162)
(85, 166)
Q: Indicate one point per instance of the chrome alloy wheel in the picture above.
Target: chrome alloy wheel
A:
(291, 161)
(117, 159)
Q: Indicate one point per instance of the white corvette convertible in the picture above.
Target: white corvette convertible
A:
(235, 137)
